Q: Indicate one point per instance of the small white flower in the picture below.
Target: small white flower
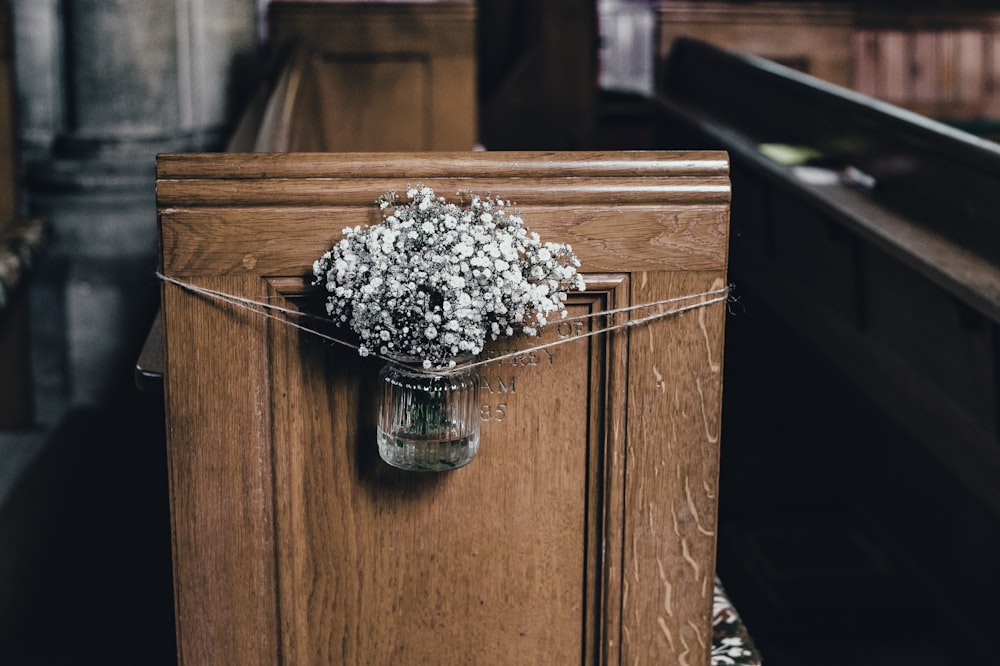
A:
(434, 279)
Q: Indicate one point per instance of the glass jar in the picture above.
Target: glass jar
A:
(427, 422)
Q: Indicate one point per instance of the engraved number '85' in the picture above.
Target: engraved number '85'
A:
(490, 413)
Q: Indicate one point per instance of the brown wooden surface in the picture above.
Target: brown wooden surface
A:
(397, 76)
(584, 532)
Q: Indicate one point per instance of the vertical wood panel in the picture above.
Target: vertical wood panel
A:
(382, 76)
(675, 390)
(497, 562)
(560, 543)
(947, 69)
(220, 477)
(925, 59)
(969, 63)
(866, 62)
(894, 66)
(351, 90)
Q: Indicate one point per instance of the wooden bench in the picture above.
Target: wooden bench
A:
(362, 76)
(871, 233)
(584, 531)
(266, 127)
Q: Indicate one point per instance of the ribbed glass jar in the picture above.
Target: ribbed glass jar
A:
(427, 422)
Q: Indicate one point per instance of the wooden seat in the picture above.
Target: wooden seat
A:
(584, 530)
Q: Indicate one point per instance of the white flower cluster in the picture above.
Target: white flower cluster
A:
(434, 280)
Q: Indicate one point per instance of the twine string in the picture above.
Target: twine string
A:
(268, 310)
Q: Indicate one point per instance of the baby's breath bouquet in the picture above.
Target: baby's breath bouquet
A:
(435, 280)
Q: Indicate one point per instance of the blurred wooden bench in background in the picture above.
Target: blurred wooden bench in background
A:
(937, 61)
(871, 233)
(362, 76)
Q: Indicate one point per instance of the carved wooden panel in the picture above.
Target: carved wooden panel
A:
(387, 76)
(583, 532)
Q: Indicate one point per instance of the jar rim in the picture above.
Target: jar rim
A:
(418, 361)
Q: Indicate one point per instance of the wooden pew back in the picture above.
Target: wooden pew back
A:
(585, 528)
(362, 76)
(921, 167)
(880, 255)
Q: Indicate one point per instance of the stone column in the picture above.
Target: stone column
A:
(134, 78)
(38, 47)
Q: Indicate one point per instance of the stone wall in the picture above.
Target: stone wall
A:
(105, 85)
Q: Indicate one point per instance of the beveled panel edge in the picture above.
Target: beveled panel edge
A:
(470, 164)
(361, 192)
(605, 481)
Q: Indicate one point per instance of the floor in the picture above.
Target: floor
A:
(85, 555)
(85, 574)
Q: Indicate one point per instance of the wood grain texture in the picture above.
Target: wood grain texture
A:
(588, 475)
(219, 453)
(675, 396)
(458, 581)
(623, 237)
